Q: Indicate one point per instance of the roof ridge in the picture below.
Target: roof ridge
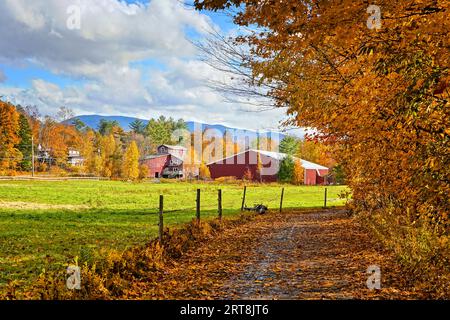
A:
(267, 153)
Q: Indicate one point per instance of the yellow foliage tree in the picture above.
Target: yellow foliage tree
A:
(9, 138)
(130, 165)
(107, 149)
(373, 81)
(143, 172)
(259, 168)
(204, 172)
(299, 173)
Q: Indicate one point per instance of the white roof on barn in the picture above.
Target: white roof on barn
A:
(278, 156)
(173, 147)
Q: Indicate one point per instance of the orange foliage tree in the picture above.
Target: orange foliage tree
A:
(58, 138)
(9, 137)
(298, 176)
(379, 92)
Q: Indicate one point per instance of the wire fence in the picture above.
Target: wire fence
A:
(276, 200)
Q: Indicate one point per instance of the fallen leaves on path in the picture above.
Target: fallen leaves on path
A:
(294, 255)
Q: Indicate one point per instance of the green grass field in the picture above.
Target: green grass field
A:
(45, 224)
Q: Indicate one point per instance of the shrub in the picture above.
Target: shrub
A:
(204, 172)
(422, 253)
(248, 176)
(143, 172)
(112, 274)
(228, 179)
(286, 171)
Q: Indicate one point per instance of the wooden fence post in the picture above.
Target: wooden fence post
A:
(219, 200)
(198, 205)
(243, 198)
(281, 200)
(161, 223)
(325, 199)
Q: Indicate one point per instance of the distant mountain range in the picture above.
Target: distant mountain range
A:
(93, 122)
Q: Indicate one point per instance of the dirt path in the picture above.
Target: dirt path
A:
(295, 255)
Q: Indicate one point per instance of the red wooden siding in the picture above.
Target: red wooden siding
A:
(237, 165)
(156, 165)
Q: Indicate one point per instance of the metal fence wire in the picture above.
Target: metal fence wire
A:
(275, 202)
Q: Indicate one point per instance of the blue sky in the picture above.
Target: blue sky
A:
(127, 58)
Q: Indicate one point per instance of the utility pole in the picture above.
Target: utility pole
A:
(32, 156)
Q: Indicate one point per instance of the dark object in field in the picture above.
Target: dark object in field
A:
(260, 208)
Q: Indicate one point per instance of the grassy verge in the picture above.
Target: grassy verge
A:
(422, 252)
(46, 224)
(127, 274)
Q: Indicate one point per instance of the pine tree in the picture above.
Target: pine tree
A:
(137, 126)
(286, 171)
(160, 130)
(130, 166)
(79, 125)
(289, 145)
(24, 145)
(106, 127)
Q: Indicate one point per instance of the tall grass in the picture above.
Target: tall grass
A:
(422, 250)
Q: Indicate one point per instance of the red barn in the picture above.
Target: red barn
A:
(238, 164)
(167, 163)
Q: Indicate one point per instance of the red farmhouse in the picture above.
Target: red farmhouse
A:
(238, 164)
(167, 163)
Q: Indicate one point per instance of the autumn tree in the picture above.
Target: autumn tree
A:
(204, 172)
(264, 142)
(130, 166)
(230, 145)
(192, 162)
(248, 175)
(143, 143)
(9, 137)
(107, 149)
(64, 114)
(112, 147)
(58, 138)
(143, 172)
(91, 152)
(377, 92)
(298, 176)
(311, 151)
(259, 167)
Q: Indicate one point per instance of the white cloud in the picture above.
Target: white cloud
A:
(101, 59)
(2, 76)
(112, 32)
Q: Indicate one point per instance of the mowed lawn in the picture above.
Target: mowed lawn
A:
(46, 224)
